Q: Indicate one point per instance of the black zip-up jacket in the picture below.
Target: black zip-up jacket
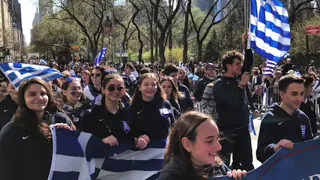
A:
(226, 102)
(201, 86)
(176, 170)
(24, 154)
(231, 110)
(152, 118)
(185, 103)
(102, 123)
(308, 109)
(276, 125)
(7, 109)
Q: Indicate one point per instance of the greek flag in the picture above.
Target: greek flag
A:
(100, 56)
(17, 73)
(82, 156)
(270, 31)
(269, 69)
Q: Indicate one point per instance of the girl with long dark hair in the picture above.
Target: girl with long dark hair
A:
(150, 114)
(26, 142)
(74, 103)
(172, 94)
(108, 121)
(93, 90)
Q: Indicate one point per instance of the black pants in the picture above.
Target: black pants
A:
(238, 143)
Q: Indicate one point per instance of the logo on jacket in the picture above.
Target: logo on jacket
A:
(303, 130)
(126, 127)
(165, 112)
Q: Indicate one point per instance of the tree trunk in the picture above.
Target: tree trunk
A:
(151, 39)
(162, 48)
(157, 45)
(170, 46)
(185, 32)
(200, 51)
(170, 27)
(94, 50)
(140, 41)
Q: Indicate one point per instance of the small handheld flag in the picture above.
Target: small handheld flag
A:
(17, 73)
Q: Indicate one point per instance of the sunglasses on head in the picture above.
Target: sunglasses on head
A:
(96, 75)
(113, 88)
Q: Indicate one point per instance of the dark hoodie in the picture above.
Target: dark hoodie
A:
(276, 125)
(176, 170)
(7, 109)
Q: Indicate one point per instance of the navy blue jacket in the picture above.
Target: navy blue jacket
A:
(7, 109)
(276, 125)
(153, 118)
(186, 102)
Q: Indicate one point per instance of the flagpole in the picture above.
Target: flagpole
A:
(248, 27)
(245, 3)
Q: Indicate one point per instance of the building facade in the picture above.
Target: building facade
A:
(11, 35)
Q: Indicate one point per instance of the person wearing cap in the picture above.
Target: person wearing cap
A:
(210, 76)
(287, 66)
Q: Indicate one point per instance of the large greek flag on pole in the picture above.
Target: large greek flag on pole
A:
(82, 156)
(270, 34)
(17, 73)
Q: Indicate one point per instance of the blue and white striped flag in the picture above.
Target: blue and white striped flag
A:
(82, 156)
(269, 69)
(17, 73)
(270, 31)
(100, 56)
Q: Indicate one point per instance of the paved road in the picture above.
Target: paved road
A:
(254, 142)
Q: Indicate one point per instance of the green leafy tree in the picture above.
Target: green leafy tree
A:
(87, 15)
(203, 29)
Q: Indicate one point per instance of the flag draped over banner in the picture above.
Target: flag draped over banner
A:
(82, 156)
(270, 34)
(17, 73)
(100, 56)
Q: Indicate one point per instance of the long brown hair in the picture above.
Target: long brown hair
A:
(176, 94)
(137, 96)
(185, 126)
(26, 117)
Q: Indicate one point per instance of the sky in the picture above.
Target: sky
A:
(28, 9)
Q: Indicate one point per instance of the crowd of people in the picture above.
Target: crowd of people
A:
(143, 104)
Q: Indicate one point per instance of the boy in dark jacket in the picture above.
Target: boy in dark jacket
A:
(284, 124)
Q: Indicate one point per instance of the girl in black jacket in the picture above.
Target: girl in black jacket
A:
(108, 121)
(25, 142)
(172, 93)
(150, 114)
(193, 149)
(74, 103)
(307, 106)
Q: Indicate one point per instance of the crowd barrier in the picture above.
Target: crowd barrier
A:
(269, 96)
